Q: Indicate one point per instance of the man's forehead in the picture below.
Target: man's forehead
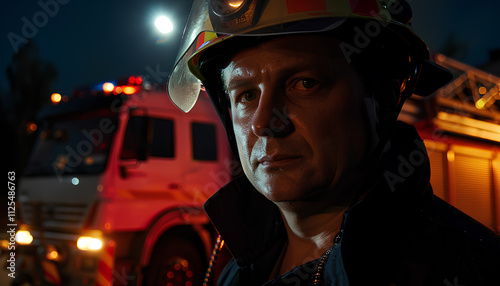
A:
(289, 52)
(234, 74)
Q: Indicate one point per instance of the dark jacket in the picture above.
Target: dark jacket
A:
(398, 234)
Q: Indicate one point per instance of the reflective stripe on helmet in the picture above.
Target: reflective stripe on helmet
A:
(204, 38)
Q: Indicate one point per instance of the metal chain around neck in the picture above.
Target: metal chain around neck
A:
(209, 276)
(317, 278)
(318, 273)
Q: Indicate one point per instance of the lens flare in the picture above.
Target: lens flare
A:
(164, 25)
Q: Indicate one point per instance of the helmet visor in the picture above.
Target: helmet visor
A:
(211, 21)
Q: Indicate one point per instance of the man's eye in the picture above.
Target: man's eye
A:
(305, 84)
(248, 96)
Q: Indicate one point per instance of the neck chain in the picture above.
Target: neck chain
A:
(219, 243)
(318, 273)
(317, 278)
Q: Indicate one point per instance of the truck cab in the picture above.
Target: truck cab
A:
(114, 189)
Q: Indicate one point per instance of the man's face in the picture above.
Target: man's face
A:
(296, 110)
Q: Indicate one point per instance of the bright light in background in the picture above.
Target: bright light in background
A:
(108, 87)
(483, 90)
(128, 90)
(88, 243)
(164, 25)
(24, 237)
(55, 98)
(480, 103)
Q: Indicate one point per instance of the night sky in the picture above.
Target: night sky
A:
(95, 41)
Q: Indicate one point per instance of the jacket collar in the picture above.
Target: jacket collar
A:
(249, 223)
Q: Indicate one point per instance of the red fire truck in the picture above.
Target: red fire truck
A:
(114, 189)
(460, 125)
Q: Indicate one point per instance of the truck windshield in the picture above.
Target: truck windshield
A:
(76, 144)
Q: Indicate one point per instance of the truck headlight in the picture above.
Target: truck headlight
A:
(24, 237)
(88, 243)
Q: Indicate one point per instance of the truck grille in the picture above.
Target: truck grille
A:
(54, 215)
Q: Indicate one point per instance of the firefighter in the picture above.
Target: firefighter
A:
(335, 190)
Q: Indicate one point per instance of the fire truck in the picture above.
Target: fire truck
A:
(460, 125)
(114, 189)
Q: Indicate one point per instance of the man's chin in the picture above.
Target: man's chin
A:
(287, 195)
(297, 198)
(280, 189)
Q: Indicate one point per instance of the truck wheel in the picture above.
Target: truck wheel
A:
(175, 262)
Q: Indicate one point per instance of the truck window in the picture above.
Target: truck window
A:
(159, 137)
(76, 144)
(162, 144)
(204, 142)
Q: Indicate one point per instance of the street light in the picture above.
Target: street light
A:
(164, 25)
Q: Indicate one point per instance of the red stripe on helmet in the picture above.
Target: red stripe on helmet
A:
(201, 40)
(365, 7)
(298, 6)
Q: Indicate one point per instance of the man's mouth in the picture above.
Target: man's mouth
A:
(278, 160)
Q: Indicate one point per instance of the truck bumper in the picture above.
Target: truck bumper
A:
(55, 263)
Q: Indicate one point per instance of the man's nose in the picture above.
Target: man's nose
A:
(271, 118)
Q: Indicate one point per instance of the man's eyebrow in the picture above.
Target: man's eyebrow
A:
(232, 81)
(237, 83)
